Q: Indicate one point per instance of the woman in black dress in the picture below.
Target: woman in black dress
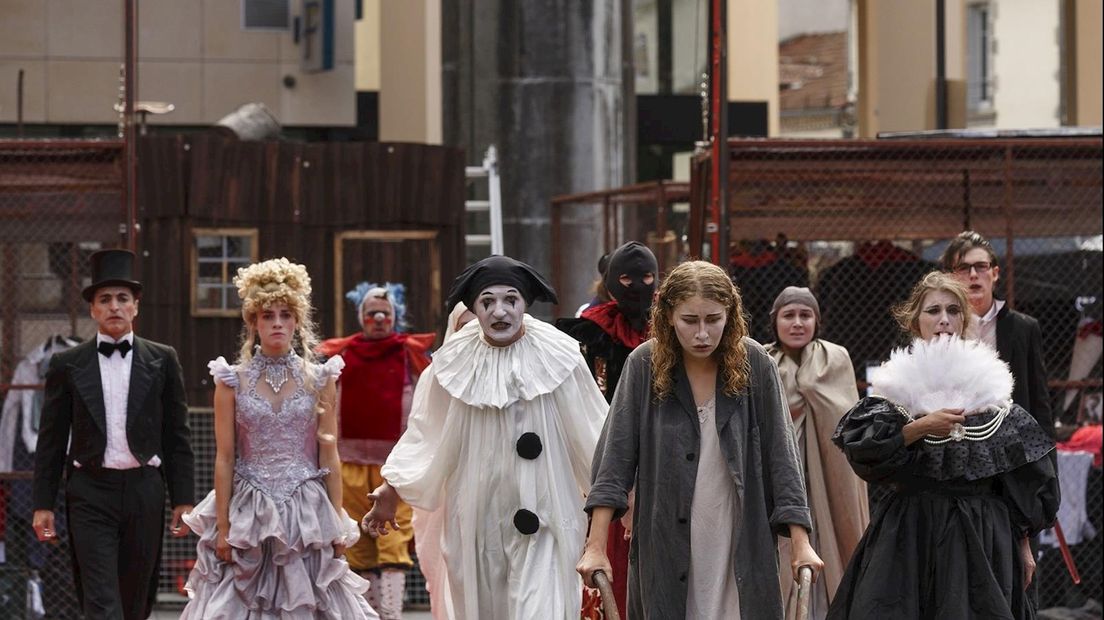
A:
(972, 472)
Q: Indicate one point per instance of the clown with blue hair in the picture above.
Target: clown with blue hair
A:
(382, 366)
(394, 292)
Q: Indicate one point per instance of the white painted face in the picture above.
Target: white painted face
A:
(940, 315)
(699, 324)
(500, 310)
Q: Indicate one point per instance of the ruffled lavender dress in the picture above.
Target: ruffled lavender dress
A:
(282, 524)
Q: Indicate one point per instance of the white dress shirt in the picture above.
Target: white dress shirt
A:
(115, 379)
(984, 328)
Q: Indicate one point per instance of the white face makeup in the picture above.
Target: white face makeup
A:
(500, 310)
(699, 324)
(940, 315)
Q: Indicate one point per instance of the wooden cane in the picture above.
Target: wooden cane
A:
(609, 604)
(804, 591)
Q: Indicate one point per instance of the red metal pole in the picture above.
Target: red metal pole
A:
(1067, 557)
(718, 160)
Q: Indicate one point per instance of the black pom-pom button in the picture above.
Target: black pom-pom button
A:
(529, 446)
(526, 522)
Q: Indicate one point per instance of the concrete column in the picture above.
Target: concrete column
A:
(550, 85)
(410, 70)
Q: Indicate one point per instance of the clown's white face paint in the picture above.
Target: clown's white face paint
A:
(500, 310)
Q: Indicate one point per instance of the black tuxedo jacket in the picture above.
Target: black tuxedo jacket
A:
(1020, 345)
(157, 418)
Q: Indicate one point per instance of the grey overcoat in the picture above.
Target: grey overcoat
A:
(655, 445)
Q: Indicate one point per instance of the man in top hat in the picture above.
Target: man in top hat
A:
(117, 403)
(498, 450)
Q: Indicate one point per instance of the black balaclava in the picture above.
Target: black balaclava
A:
(633, 259)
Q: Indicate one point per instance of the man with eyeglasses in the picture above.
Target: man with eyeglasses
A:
(1016, 336)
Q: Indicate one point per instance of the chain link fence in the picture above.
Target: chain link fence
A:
(860, 222)
(59, 202)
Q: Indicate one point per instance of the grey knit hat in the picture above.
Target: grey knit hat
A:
(795, 295)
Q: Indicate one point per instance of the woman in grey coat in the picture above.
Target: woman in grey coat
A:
(699, 423)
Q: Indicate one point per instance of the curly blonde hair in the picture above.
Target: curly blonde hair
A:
(698, 278)
(274, 281)
(907, 313)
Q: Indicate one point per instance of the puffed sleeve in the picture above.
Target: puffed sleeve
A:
(1033, 495)
(871, 438)
(330, 370)
(223, 371)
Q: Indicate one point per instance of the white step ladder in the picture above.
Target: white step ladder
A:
(484, 244)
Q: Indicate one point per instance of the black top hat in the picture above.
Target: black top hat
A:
(112, 268)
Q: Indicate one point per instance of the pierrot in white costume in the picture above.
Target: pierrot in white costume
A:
(498, 449)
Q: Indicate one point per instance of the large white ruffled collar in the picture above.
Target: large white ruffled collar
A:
(945, 373)
(482, 375)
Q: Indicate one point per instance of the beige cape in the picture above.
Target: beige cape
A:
(824, 387)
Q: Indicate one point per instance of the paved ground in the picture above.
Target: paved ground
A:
(173, 615)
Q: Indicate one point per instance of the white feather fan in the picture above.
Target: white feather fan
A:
(945, 373)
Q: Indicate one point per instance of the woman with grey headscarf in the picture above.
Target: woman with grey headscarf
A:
(819, 383)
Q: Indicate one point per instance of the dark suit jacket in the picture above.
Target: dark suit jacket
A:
(1020, 344)
(157, 418)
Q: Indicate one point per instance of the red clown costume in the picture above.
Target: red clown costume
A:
(382, 366)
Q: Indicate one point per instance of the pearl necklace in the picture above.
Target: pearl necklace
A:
(980, 432)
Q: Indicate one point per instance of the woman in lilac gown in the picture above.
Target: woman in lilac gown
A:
(272, 532)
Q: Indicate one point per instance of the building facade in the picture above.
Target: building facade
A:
(205, 57)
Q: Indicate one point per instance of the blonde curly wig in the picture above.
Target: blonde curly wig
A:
(698, 278)
(274, 281)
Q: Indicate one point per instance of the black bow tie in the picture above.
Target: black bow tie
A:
(107, 348)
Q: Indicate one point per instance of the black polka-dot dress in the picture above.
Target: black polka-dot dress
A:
(946, 543)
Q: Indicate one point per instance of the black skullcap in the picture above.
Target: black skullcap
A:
(498, 271)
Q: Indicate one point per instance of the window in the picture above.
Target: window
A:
(217, 253)
(266, 15)
(979, 60)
